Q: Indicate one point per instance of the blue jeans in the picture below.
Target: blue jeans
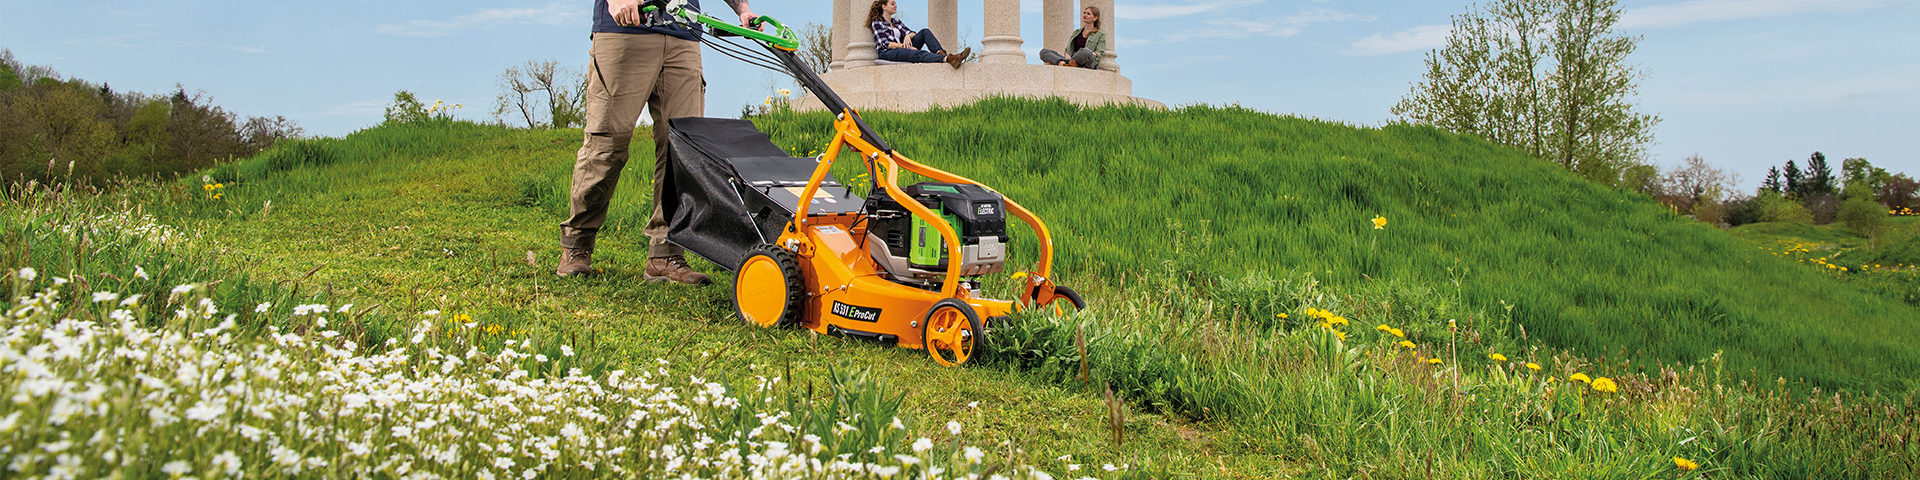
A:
(922, 40)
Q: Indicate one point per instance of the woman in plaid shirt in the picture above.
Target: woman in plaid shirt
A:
(897, 43)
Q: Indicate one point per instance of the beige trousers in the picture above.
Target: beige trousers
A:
(629, 73)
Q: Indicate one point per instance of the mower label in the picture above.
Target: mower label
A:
(986, 209)
(850, 312)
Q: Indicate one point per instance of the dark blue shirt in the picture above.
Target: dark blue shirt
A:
(603, 23)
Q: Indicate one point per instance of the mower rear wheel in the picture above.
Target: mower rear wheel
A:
(767, 288)
(951, 332)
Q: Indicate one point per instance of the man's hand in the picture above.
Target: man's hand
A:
(746, 14)
(625, 13)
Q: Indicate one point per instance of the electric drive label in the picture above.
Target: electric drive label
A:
(850, 312)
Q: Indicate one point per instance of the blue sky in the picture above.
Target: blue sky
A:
(1744, 83)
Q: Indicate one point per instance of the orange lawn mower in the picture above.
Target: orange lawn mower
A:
(899, 266)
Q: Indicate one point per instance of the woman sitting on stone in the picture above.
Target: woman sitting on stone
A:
(897, 43)
(1087, 44)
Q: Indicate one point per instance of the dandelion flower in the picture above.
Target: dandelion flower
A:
(1580, 377)
(1604, 384)
(1338, 320)
(1340, 334)
(1383, 327)
(1379, 223)
(1433, 361)
(1406, 343)
(1498, 357)
(1684, 464)
(1281, 316)
(1397, 332)
(1533, 366)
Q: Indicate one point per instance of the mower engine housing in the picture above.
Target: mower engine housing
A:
(910, 249)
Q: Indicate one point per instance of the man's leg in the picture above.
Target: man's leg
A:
(681, 92)
(618, 83)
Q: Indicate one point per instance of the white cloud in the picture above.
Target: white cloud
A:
(1709, 11)
(556, 13)
(144, 37)
(1163, 11)
(1241, 28)
(1417, 39)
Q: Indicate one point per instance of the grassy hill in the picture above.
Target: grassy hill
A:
(1204, 237)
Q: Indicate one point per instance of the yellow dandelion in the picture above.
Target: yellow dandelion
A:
(1406, 343)
(1498, 357)
(1684, 464)
(1383, 327)
(1379, 223)
(1397, 332)
(1580, 377)
(1281, 316)
(1338, 320)
(1604, 384)
(1433, 361)
(1342, 335)
(1533, 366)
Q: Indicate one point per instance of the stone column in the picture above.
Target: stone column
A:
(1059, 20)
(839, 36)
(1107, 21)
(860, 52)
(1002, 40)
(943, 17)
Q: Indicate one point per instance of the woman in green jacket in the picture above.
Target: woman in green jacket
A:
(1087, 44)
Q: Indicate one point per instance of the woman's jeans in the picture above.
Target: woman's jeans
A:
(1084, 58)
(924, 39)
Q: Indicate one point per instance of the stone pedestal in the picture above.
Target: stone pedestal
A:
(860, 52)
(1058, 19)
(839, 37)
(943, 17)
(1002, 40)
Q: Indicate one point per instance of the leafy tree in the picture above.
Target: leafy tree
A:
(406, 109)
(1772, 184)
(1899, 191)
(1546, 76)
(1694, 183)
(1861, 177)
(1863, 215)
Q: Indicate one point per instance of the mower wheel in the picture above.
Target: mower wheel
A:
(767, 288)
(1059, 292)
(951, 332)
(1062, 291)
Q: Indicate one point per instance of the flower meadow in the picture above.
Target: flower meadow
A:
(94, 388)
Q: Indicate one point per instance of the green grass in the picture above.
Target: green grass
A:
(1189, 230)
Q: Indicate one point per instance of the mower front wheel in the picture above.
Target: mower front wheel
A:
(951, 332)
(1059, 292)
(767, 288)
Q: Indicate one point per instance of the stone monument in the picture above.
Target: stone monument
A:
(1003, 68)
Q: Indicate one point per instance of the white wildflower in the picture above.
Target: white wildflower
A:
(262, 307)
(180, 289)
(28, 274)
(974, 454)
(503, 463)
(566, 351)
(132, 300)
(897, 425)
(102, 297)
(140, 273)
(922, 445)
(953, 426)
(176, 468)
(227, 462)
(57, 281)
(431, 313)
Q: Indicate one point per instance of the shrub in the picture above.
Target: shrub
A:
(1862, 215)
(1776, 208)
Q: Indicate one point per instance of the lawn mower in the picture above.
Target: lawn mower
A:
(899, 265)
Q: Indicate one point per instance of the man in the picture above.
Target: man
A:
(633, 67)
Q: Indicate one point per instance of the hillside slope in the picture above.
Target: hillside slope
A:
(1581, 267)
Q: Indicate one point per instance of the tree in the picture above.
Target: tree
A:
(1861, 177)
(1772, 184)
(1819, 176)
(1899, 191)
(816, 47)
(1795, 180)
(1694, 183)
(1546, 76)
(543, 94)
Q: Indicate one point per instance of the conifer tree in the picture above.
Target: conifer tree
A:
(1819, 176)
(1796, 181)
(1772, 184)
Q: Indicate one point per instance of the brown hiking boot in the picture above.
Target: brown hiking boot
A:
(575, 261)
(955, 59)
(662, 269)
